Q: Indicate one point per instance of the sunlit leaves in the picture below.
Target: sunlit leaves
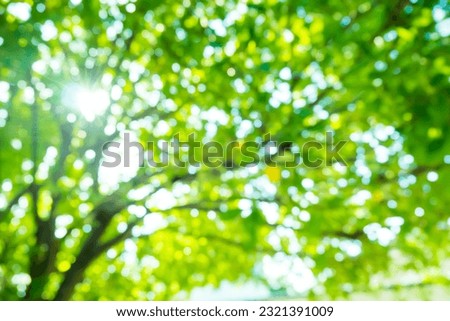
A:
(373, 73)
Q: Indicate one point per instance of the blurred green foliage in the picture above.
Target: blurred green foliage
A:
(74, 75)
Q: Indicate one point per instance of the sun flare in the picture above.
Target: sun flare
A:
(89, 102)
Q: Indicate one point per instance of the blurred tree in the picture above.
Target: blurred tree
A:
(76, 75)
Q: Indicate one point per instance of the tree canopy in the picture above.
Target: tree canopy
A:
(75, 75)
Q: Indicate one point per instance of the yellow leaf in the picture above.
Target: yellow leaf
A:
(273, 173)
(317, 26)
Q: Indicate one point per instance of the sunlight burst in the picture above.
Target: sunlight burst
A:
(90, 102)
